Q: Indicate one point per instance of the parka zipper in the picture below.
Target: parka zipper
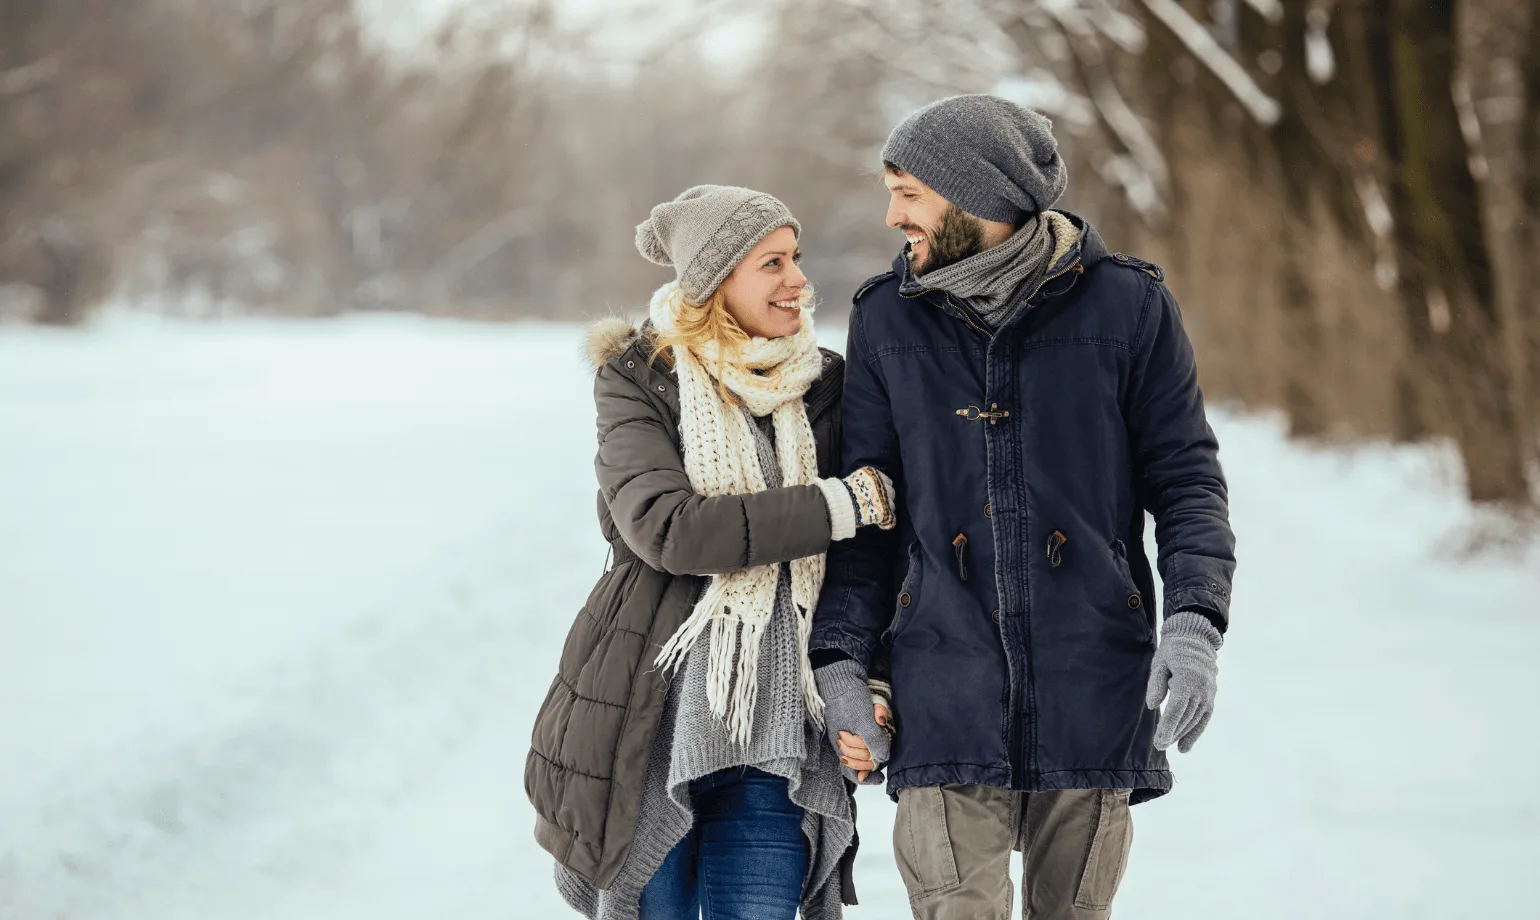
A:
(1020, 756)
(1073, 266)
(1019, 753)
(970, 317)
(977, 322)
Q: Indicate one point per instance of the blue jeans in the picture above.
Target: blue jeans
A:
(743, 860)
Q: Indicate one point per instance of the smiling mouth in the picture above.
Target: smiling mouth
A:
(791, 306)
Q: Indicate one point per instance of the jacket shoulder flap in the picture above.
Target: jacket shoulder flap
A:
(1149, 268)
(870, 283)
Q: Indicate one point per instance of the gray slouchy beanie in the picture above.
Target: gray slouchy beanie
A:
(706, 232)
(987, 155)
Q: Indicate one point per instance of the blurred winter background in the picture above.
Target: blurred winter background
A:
(295, 442)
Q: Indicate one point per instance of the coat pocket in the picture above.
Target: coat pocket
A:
(922, 845)
(1108, 855)
(1133, 600)
(908, 595)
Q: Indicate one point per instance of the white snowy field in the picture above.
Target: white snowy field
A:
(278, 600)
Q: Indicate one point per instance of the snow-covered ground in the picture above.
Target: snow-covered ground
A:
(278, 600)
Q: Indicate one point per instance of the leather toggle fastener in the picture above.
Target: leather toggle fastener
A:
(994, 413)
(1056, 543)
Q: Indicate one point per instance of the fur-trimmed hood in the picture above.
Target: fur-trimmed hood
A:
(608, 339)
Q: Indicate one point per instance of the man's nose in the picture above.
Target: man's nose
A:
(896, 216)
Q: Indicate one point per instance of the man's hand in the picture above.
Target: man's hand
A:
(855, 725)
(1187, 666)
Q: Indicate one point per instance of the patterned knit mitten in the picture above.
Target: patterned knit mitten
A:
(872, 492)
(864, 497)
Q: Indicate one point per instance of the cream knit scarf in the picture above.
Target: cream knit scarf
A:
(720, 459)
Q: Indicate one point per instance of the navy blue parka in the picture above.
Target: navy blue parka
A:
(1014, 602)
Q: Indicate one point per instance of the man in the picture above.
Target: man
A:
(1032, 395)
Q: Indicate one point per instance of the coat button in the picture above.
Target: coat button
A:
(630, 364)
(996, 617)
(660, 388)
(1133, 602)
(989, 510)
(903, 599)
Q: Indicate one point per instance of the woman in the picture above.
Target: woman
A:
(679, 764)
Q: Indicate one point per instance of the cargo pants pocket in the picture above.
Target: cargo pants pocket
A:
(922, 847)
(1108, 853)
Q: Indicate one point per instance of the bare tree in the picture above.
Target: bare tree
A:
(1445, 272)
(1314, 174)
(1529, 217)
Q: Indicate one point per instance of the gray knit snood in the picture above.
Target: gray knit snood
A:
(987, 280)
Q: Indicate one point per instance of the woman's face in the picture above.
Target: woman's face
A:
(762, 291)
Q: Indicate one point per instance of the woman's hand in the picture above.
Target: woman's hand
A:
(863, 498)
(855, 723)
(872, 492)
(853, 751)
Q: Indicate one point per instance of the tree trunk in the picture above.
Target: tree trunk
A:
(72, 274)
(1301, 170)
(1529, 216)
(1415, 388)
(1446, 280)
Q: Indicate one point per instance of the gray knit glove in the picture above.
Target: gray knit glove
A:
(1186, 664)
(847, 707)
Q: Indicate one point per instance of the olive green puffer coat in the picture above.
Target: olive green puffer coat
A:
(594, 731)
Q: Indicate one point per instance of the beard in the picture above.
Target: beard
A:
(958, 236)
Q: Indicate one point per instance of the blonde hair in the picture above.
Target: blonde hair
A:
(701, 324)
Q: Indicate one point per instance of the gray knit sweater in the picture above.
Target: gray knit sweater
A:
(691, 743)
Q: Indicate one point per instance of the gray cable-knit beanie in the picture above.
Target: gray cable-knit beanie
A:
(987, 155)
(706, 232)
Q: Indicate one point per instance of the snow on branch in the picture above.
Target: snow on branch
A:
(1271, 10)
(1128, 127)
(24, 79)
(1120, 28)
(1092, 75)
(1470, 126)
(1069, 15)
(1041, 91)
(1201, 43)
(1139, 189)
(1320, 63)
(950, 56)
(1042, 32)
(1083, 18)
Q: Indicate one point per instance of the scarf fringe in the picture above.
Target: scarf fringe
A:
(721, 459)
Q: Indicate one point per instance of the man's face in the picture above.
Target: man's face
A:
(939, 232)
